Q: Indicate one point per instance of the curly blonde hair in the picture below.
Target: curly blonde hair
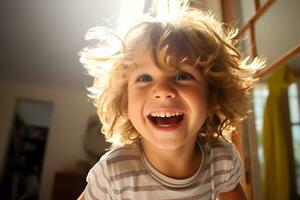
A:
(196, 38)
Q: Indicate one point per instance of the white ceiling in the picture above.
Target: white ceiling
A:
(40, 39)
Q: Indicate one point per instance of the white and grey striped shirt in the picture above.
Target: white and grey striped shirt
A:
(125, 174)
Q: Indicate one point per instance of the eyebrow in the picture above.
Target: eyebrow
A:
(142, 64)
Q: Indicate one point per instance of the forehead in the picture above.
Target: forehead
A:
(145, 63)
(144, 59)
(165, 61)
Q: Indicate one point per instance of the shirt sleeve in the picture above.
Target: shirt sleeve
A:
(98, 184)
(228, 171)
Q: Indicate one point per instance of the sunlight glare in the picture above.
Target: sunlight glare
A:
(130, 11)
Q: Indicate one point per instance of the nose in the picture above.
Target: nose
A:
(164, 91)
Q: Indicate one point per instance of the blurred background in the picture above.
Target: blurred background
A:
(49, 131)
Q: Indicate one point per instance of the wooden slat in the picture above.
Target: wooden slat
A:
(253, 41)
(257, 4)
(229, 11)
(258, 13)
(294, 52)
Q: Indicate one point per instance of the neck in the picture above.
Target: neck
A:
(179, 163)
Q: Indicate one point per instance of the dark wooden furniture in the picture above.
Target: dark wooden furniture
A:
(68, 185)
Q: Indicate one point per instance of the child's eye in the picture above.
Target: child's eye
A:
(183, 76)
(144, 78)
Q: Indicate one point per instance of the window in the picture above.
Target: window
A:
(260, 94)
(295, 128)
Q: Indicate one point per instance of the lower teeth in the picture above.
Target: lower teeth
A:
(164, 125)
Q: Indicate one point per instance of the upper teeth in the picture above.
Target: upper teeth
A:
(166, 114)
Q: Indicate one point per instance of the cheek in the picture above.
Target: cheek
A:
(198, 98)
(134, 105)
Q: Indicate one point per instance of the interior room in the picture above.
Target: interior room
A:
(49, 129)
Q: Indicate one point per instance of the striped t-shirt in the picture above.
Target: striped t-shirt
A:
(124, 173)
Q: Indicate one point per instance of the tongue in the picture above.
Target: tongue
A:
(167, 120)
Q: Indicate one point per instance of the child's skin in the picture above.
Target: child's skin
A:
(188, 68)
(152, 91)
(171, 150)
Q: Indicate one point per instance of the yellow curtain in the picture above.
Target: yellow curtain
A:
(275, 141)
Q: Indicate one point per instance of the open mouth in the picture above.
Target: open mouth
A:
(166, 120)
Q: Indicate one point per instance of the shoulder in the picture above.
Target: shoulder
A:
(219, 145)
(119, 154)
(118, 161)
(225, 163)
(220, 151)
(104, 177)
(122, 159)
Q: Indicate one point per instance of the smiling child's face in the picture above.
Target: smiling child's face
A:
(168, 110)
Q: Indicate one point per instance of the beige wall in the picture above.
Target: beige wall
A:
(278, 30)
(65, 138)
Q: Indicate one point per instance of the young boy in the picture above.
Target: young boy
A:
(165, 100)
